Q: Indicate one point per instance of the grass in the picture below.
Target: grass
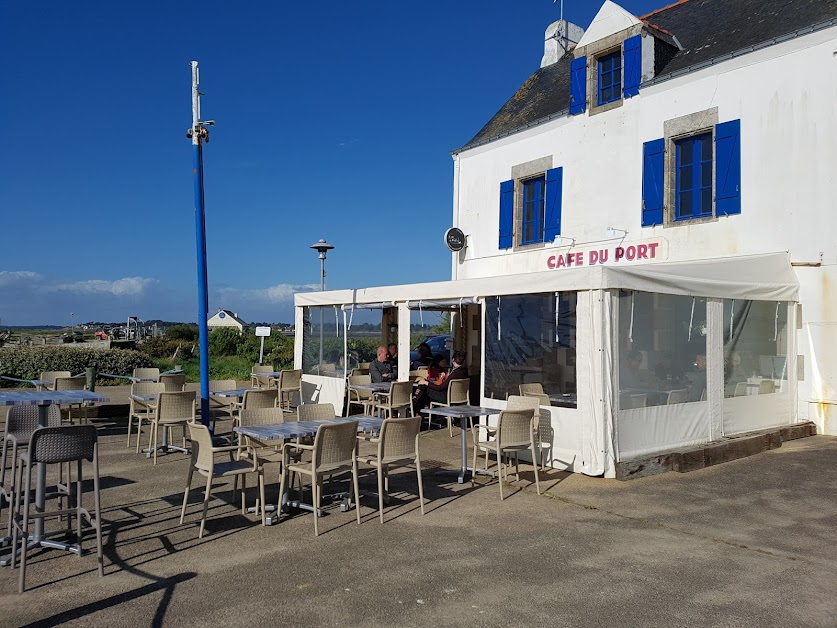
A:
(223, 367)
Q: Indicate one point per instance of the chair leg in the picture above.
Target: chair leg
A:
(24, 541)
(186, 493)
(14, 511)
(206, 494)
(317, 490)
(261, 497)
(357, 491)
(381, 491)
(97, 506)
(282, 482)
(243, 493)
(474, 462)
(78, 504)
(535, 465)
(420, 483)
(500, 472)
(130, 428)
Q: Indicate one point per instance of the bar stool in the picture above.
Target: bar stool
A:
(21, 421)
(57, 445)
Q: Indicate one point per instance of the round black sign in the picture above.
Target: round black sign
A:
(455, 239)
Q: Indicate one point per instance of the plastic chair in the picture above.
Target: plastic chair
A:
(398, 446)
(21, 421)
(681, 395)
(203, 461)
(174, 382)
(534, 387)
(152, 374)
(288, 384)
(51, 376)
(173, 408)
(257, 377)
(458, 394)
(142, 410)
(73, 383)
(334, 452)
(57, 445)
(257, 398)
(315, 412)
(514, 433)
(400, 396)
(543, 431)
(363, 398)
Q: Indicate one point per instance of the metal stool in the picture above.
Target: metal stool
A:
(56, 445)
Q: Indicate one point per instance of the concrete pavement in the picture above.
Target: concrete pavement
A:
(747, 543)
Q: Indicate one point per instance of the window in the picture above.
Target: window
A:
(529, 339)
(610, 78)
(533, 210)
(693, 178)
(530, 207)
(692, 173)
(662, 349)
(755, 347)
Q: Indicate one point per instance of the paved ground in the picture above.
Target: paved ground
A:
(747, 543)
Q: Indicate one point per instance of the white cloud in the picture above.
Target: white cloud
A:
(127, 286)
(280, 293)
(12, 277)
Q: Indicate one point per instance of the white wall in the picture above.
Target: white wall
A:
(785, 97)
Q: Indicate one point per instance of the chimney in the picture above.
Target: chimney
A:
(559, 37)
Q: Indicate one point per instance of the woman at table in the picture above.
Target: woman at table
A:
(428, 391)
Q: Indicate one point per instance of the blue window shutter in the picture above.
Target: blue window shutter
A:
(554, 192)
(653, 163)
(506, 214)
(728, 168)
(578, 85)
(632, 53)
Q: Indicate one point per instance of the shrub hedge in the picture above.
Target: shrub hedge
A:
(29, 362)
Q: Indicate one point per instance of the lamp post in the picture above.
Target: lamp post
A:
(322, 247)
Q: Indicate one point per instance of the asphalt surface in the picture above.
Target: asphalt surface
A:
(748, 543)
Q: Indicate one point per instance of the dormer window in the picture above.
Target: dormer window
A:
(609, 78)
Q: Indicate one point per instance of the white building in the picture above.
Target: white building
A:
(650, 232)
(225, 318)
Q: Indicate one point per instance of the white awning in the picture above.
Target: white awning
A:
(441, 304)
(767, 277)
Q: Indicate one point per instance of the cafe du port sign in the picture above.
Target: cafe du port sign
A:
(644, 252)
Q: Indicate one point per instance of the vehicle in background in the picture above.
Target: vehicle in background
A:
(439, 345)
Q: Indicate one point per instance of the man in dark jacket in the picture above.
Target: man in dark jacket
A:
(380, 369)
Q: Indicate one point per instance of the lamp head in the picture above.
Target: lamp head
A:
(322, 247)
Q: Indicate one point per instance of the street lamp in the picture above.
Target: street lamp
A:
(72, 323)
(322, 247)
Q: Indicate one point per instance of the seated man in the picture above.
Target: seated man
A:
(438, 391)
(392, 356)
(380, 369)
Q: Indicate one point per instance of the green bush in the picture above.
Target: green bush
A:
(224, 341)
(29, 362)
(165, 348)
(189, 333)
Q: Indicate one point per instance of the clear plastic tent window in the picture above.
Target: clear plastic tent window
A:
(531, 339)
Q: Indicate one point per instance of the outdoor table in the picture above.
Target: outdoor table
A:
(42, 384)
(300, 429)
(375, 388)
(43, 399)
(150, 400)
(568, 400)
(462, 413)
(236, 392)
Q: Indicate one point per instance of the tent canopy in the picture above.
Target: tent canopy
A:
(766, 277)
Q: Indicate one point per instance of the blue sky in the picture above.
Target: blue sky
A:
(335, 120)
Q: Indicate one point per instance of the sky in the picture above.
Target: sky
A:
(334, 120)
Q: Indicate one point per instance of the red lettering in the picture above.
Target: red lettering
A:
(570, 259)
(594, 257)
(652, 249)
(579, 259)
(620, 253)
(603, 255)
(641, 251)
(630, 253)
(560, 263)
(550, 261)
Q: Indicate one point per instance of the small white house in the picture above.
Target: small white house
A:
(225, 318)
(649, 233)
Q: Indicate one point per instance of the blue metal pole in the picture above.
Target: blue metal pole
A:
(203, 297)
(198, 133)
